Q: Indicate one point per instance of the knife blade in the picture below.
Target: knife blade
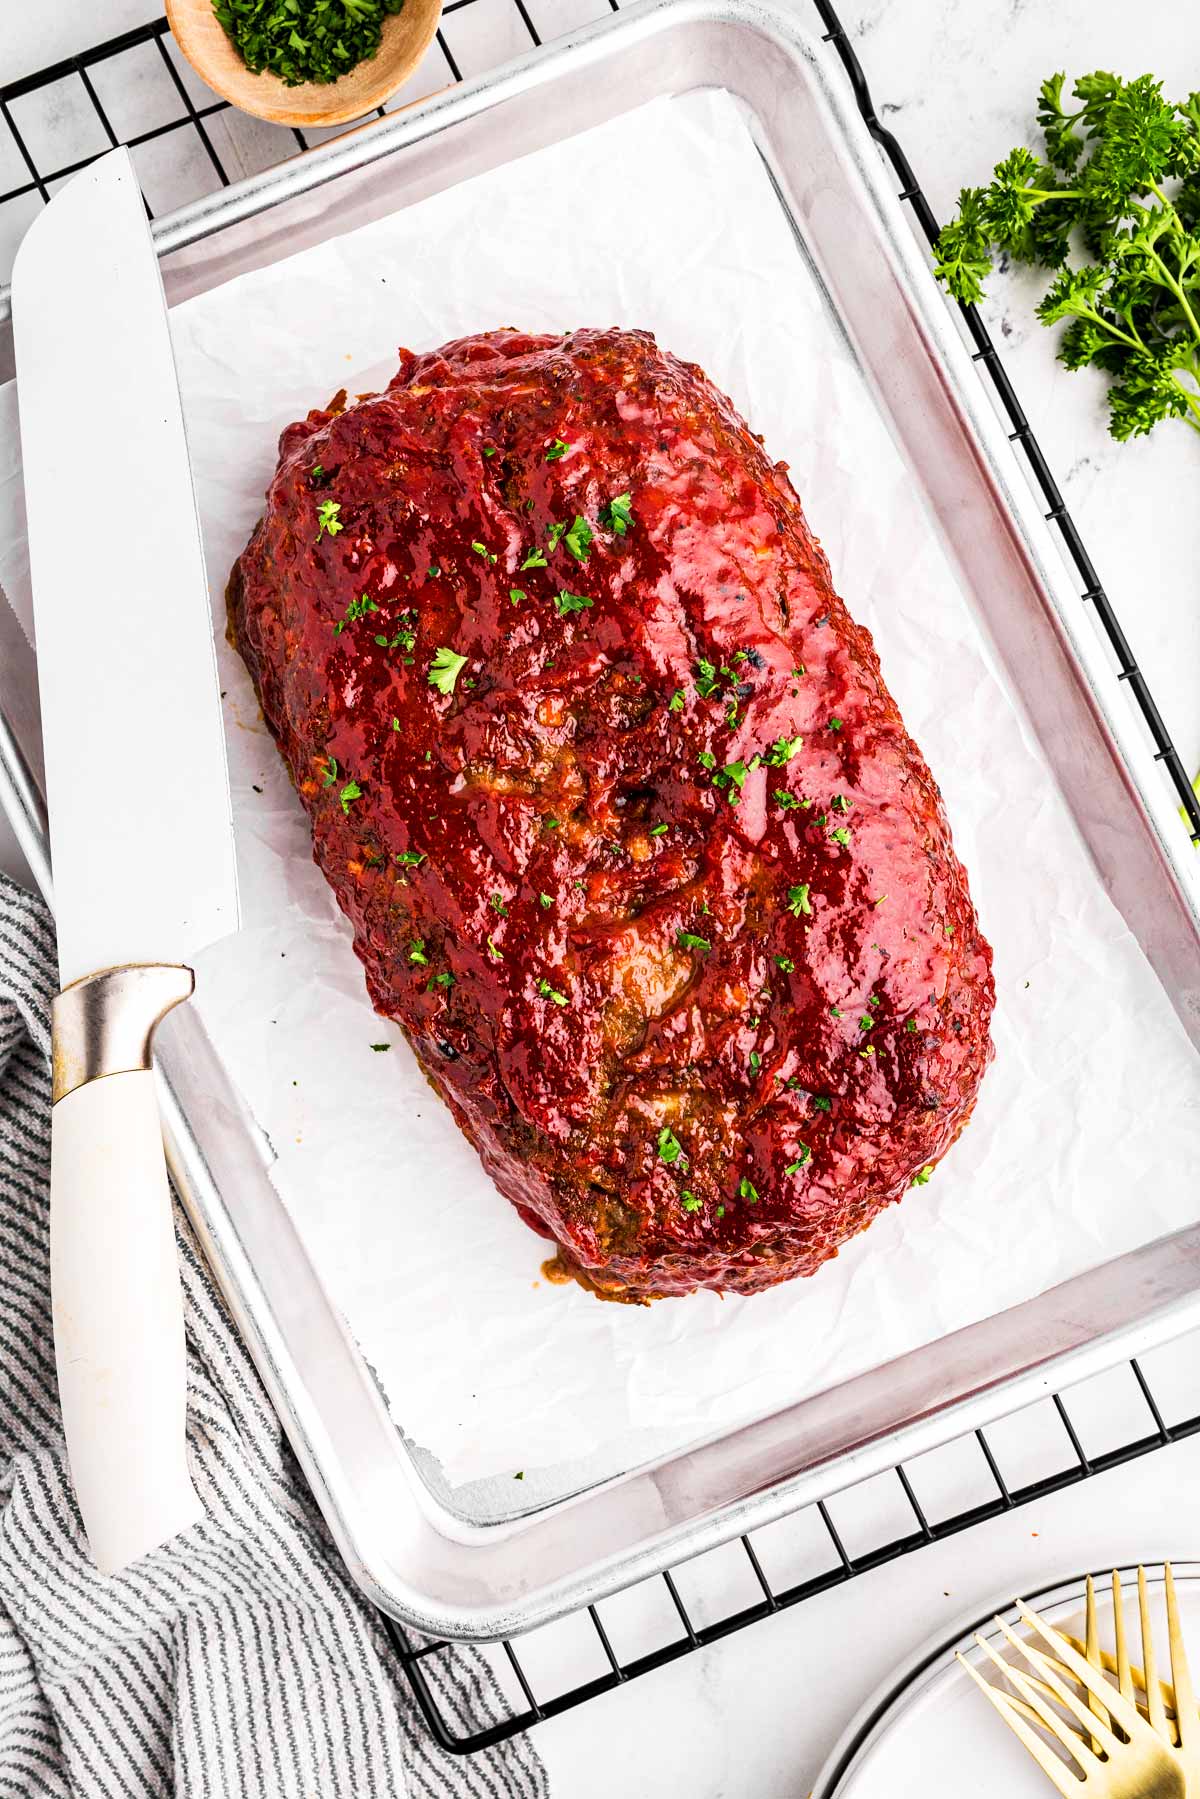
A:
(141, 831)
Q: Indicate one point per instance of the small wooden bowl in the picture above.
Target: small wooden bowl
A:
(406, 37)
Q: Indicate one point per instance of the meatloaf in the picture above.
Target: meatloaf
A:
(633, 841)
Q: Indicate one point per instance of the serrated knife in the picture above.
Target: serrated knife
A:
(141, 833)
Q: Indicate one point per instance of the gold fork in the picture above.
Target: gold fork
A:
(1140, 1763)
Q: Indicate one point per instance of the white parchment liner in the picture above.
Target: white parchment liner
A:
(1085, 1140)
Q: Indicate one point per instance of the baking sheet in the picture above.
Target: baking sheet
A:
(1089, 1121)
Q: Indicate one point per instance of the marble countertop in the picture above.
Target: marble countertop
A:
(753, 1717)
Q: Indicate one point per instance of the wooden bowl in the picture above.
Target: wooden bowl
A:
(406, 37)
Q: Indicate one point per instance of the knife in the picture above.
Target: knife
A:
(141, 832)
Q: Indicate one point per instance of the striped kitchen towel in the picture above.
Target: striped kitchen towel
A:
(239, 1659)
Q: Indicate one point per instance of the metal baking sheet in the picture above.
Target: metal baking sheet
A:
(450, 1573)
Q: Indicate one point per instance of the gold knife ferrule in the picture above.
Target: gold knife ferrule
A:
(105, 1022)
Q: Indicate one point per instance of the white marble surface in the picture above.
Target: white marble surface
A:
(753, 1717)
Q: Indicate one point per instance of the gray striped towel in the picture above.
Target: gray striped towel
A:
(237, 1660)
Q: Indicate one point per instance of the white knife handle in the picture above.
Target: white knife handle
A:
(118, 1309)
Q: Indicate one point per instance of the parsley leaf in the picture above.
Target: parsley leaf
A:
(784, 799)
(481, 549)
(786, 963)
(748, 1190)
(517, 594)
(554, 535)
(676, 702)
(328, 522)
(565, 603)
(579, 539)
(410, 858)
(556, 450)
(535, 559)
(670, 1149)
(798, 900)
(329, 776)
(545, 901)
(445, 669)
(316, 43)
(689, 940)
(782, 751)
(922, 1175)
(803, 1158)
(351, 791)
(615, 515)
(549, 992)
(690, 1202)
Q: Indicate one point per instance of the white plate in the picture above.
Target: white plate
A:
(929, 1732)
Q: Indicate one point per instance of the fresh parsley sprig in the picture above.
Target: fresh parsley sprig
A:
(1120, 180)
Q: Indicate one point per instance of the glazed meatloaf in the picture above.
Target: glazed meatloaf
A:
(634, 844)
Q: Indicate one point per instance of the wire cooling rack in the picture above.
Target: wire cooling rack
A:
(137, 90)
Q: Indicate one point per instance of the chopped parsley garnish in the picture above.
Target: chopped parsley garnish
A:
(782, 750)
(579, 539)
(842, 836)
(866, 1022)
(784, 799)
(549, 992)
(410, 858)
(535, 559)
(835, 724)
(380, 1047)
(565, 603)
(481, 549)
(316, 471)
(440, 980)
(351, 791)
(835, 1011)
(556, 450)
(614, 516)
(670, 1149)
(416, 952)
(748, 1190)
(732, 778)
(355, 610)
(317, 44)
(497, 904)
(555, 534)
(675, 704)
(517, 594)
(489, 449)
(720, 1211)
(445, 669)
(874, 1001)
(493, 951)
(755, 1061)
(911, 1025)
(798, 900)
(328, 521)
(706, 759)
(545, 901)
(840, 803)
(689, 940)
(659, 830)
(689, 1201)
(822, 1104)
(803, 1158)
(786, 963)
(706, 679)
(331, 771)
(432, 573)
(922, 1175)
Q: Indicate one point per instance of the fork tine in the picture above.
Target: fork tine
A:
(1046, 1677)
(1181, 1677)
(1109, 1664)
(1121, 1710)
(1155, 1710)
(1092, 1655)
(1124, 1677)
(1062, 1776)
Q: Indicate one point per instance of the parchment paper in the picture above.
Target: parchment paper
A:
(1085, 1139)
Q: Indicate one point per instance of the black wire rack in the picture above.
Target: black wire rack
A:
(135, 89)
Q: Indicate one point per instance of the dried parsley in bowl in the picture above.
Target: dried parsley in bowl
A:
(304, 40)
